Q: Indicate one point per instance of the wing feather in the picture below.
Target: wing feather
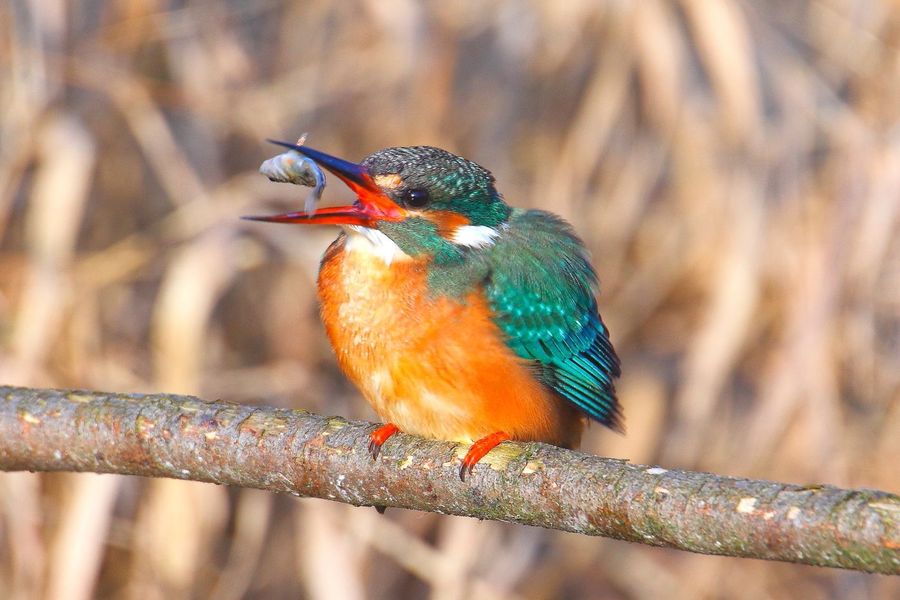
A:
(541, 290)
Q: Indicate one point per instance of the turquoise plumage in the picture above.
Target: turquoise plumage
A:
(541, 288)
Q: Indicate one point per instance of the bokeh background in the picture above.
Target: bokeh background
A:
(733, 166)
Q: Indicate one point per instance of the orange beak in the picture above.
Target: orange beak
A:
(372, 204)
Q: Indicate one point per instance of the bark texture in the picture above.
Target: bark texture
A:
(165, 435)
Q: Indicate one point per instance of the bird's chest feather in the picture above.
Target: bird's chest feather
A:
(435, 365)
(389, 333)
(373, 310)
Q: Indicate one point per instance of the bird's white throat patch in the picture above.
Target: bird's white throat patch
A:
(372, 241)
(474, 236)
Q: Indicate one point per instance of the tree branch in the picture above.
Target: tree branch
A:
(164, 435)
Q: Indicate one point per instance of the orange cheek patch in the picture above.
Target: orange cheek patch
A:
(447, 222)
(389, 182)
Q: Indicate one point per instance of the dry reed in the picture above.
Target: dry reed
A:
(734, 167)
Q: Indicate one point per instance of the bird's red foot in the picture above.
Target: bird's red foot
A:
(478, 450)
(379, 437)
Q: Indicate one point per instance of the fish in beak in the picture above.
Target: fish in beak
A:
(372, 204)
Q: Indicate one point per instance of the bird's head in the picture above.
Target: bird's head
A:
(423, 199)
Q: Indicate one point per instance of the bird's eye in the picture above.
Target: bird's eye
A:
(416, 198)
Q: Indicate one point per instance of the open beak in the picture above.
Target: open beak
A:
(372, 204)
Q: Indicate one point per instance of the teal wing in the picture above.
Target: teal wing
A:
(541, 290)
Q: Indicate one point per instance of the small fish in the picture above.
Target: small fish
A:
(293, 167)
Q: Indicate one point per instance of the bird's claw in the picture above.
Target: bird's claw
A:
(478, 450)
(378, 437)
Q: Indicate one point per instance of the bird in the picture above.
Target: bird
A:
(458, 316)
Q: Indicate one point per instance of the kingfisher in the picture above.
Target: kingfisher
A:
(457, 316)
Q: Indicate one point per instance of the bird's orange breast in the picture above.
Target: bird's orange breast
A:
(433, 365)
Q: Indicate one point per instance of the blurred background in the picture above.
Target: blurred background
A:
(734, 168)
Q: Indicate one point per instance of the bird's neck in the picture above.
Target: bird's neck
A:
(453, 271)
(449, 246)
